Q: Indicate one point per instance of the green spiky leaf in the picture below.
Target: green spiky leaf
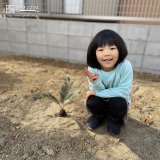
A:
(52, 97)
(66, 92)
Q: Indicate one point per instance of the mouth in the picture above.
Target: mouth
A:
(108, 60)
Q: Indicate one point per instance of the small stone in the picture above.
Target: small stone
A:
(40, 152)
(13, 129)
(30, 153)
(2, 144)
(48, 150)
(25, 156)
(63, 147)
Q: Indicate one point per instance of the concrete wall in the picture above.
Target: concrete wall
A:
(68, 40)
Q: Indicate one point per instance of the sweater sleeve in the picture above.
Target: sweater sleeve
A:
(124, 86)
(97, 84)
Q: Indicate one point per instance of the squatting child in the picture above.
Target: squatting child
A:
(110, 78)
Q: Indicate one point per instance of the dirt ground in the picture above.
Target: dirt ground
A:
(30, 128)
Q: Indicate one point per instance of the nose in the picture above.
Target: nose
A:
(107, 52)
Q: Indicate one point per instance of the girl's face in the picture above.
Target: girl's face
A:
(107, 57)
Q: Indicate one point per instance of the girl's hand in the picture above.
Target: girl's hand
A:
(92, 76)
(90, 93)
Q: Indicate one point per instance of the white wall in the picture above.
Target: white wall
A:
(68, 41)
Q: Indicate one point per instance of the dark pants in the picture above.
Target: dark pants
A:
(116, 107)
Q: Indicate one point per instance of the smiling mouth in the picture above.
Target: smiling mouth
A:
(108, 60)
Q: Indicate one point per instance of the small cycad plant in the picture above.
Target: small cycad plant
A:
(66, 93)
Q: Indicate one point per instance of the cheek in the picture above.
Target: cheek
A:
(97, 56)
(116, 55)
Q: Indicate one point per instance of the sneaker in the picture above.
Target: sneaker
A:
(114, 126)
(94, 121)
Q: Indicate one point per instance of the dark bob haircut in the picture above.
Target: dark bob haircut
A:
(102, 38)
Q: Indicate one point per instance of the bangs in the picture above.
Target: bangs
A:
(104, 39)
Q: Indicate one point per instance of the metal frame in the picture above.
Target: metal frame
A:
(99, 18)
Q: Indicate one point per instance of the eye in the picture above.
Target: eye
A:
(113, 47)
(100, 49)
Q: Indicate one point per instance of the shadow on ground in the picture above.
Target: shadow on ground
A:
(142, 140)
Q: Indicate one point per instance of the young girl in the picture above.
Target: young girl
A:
(110, 81)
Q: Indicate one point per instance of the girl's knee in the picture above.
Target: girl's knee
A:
(95, 104)
(93, 101)
(117, 106)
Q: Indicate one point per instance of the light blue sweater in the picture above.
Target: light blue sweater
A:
(116, 83)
